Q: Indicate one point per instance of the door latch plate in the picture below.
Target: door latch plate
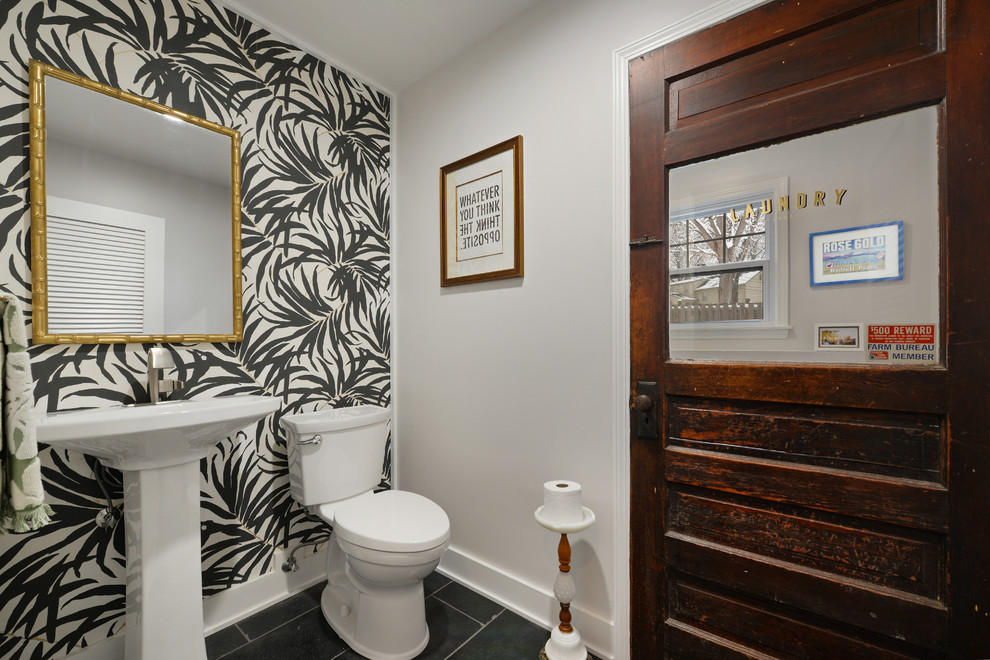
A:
(644, 411)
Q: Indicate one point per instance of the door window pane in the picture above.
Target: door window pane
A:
(762, 247)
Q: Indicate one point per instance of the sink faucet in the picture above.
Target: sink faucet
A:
(158, 359)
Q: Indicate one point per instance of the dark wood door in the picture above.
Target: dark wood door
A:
(812, 510)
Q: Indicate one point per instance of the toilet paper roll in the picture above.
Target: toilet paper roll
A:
(562, 503)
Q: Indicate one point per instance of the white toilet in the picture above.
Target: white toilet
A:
(383, 544)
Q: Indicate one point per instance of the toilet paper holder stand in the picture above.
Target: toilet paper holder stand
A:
(565, 641)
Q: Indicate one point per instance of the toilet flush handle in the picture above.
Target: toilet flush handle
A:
(315, 440)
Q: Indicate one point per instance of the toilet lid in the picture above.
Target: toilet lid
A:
(394, 521)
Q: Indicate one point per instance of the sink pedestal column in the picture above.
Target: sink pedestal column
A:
(164, 564)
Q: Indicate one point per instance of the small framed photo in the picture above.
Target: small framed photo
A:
(871, 253)
(481, 225)
(838, 337)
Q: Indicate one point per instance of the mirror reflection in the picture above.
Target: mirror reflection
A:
(136, 216)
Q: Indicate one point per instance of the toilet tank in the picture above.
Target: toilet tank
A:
(345, 461)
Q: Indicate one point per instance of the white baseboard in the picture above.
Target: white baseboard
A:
(234, 604)
(526, 600)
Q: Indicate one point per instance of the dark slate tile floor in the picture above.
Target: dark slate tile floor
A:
(464, 625)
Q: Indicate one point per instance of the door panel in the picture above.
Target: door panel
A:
(813, 510)
(764, 631)
(884, 555)
(877, 39)
(905, 445)
(848, 100)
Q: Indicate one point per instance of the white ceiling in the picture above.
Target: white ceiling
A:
(389, 43)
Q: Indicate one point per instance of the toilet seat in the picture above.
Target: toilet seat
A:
(393, 521)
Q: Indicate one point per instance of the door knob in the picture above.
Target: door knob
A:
(644, 419)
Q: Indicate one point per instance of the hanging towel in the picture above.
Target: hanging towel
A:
(22, 496)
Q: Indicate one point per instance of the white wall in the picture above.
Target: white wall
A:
(502, 386)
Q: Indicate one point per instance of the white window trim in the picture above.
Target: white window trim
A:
(775, 323)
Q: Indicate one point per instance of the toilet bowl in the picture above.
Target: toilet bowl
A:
(374, 597)
(383, 544)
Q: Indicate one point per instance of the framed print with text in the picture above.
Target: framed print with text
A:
(481, 227)
(859, 254)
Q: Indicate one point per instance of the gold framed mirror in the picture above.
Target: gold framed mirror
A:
(135, 217)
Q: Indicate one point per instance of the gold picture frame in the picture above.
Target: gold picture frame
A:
(38, 72)
(481, 216)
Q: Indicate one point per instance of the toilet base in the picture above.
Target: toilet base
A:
(379, 623)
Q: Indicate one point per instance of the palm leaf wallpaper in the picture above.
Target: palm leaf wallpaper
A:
(315, 233)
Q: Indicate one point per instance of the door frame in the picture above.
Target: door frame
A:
(717, 12)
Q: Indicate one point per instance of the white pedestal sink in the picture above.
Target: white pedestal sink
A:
(158, 448)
